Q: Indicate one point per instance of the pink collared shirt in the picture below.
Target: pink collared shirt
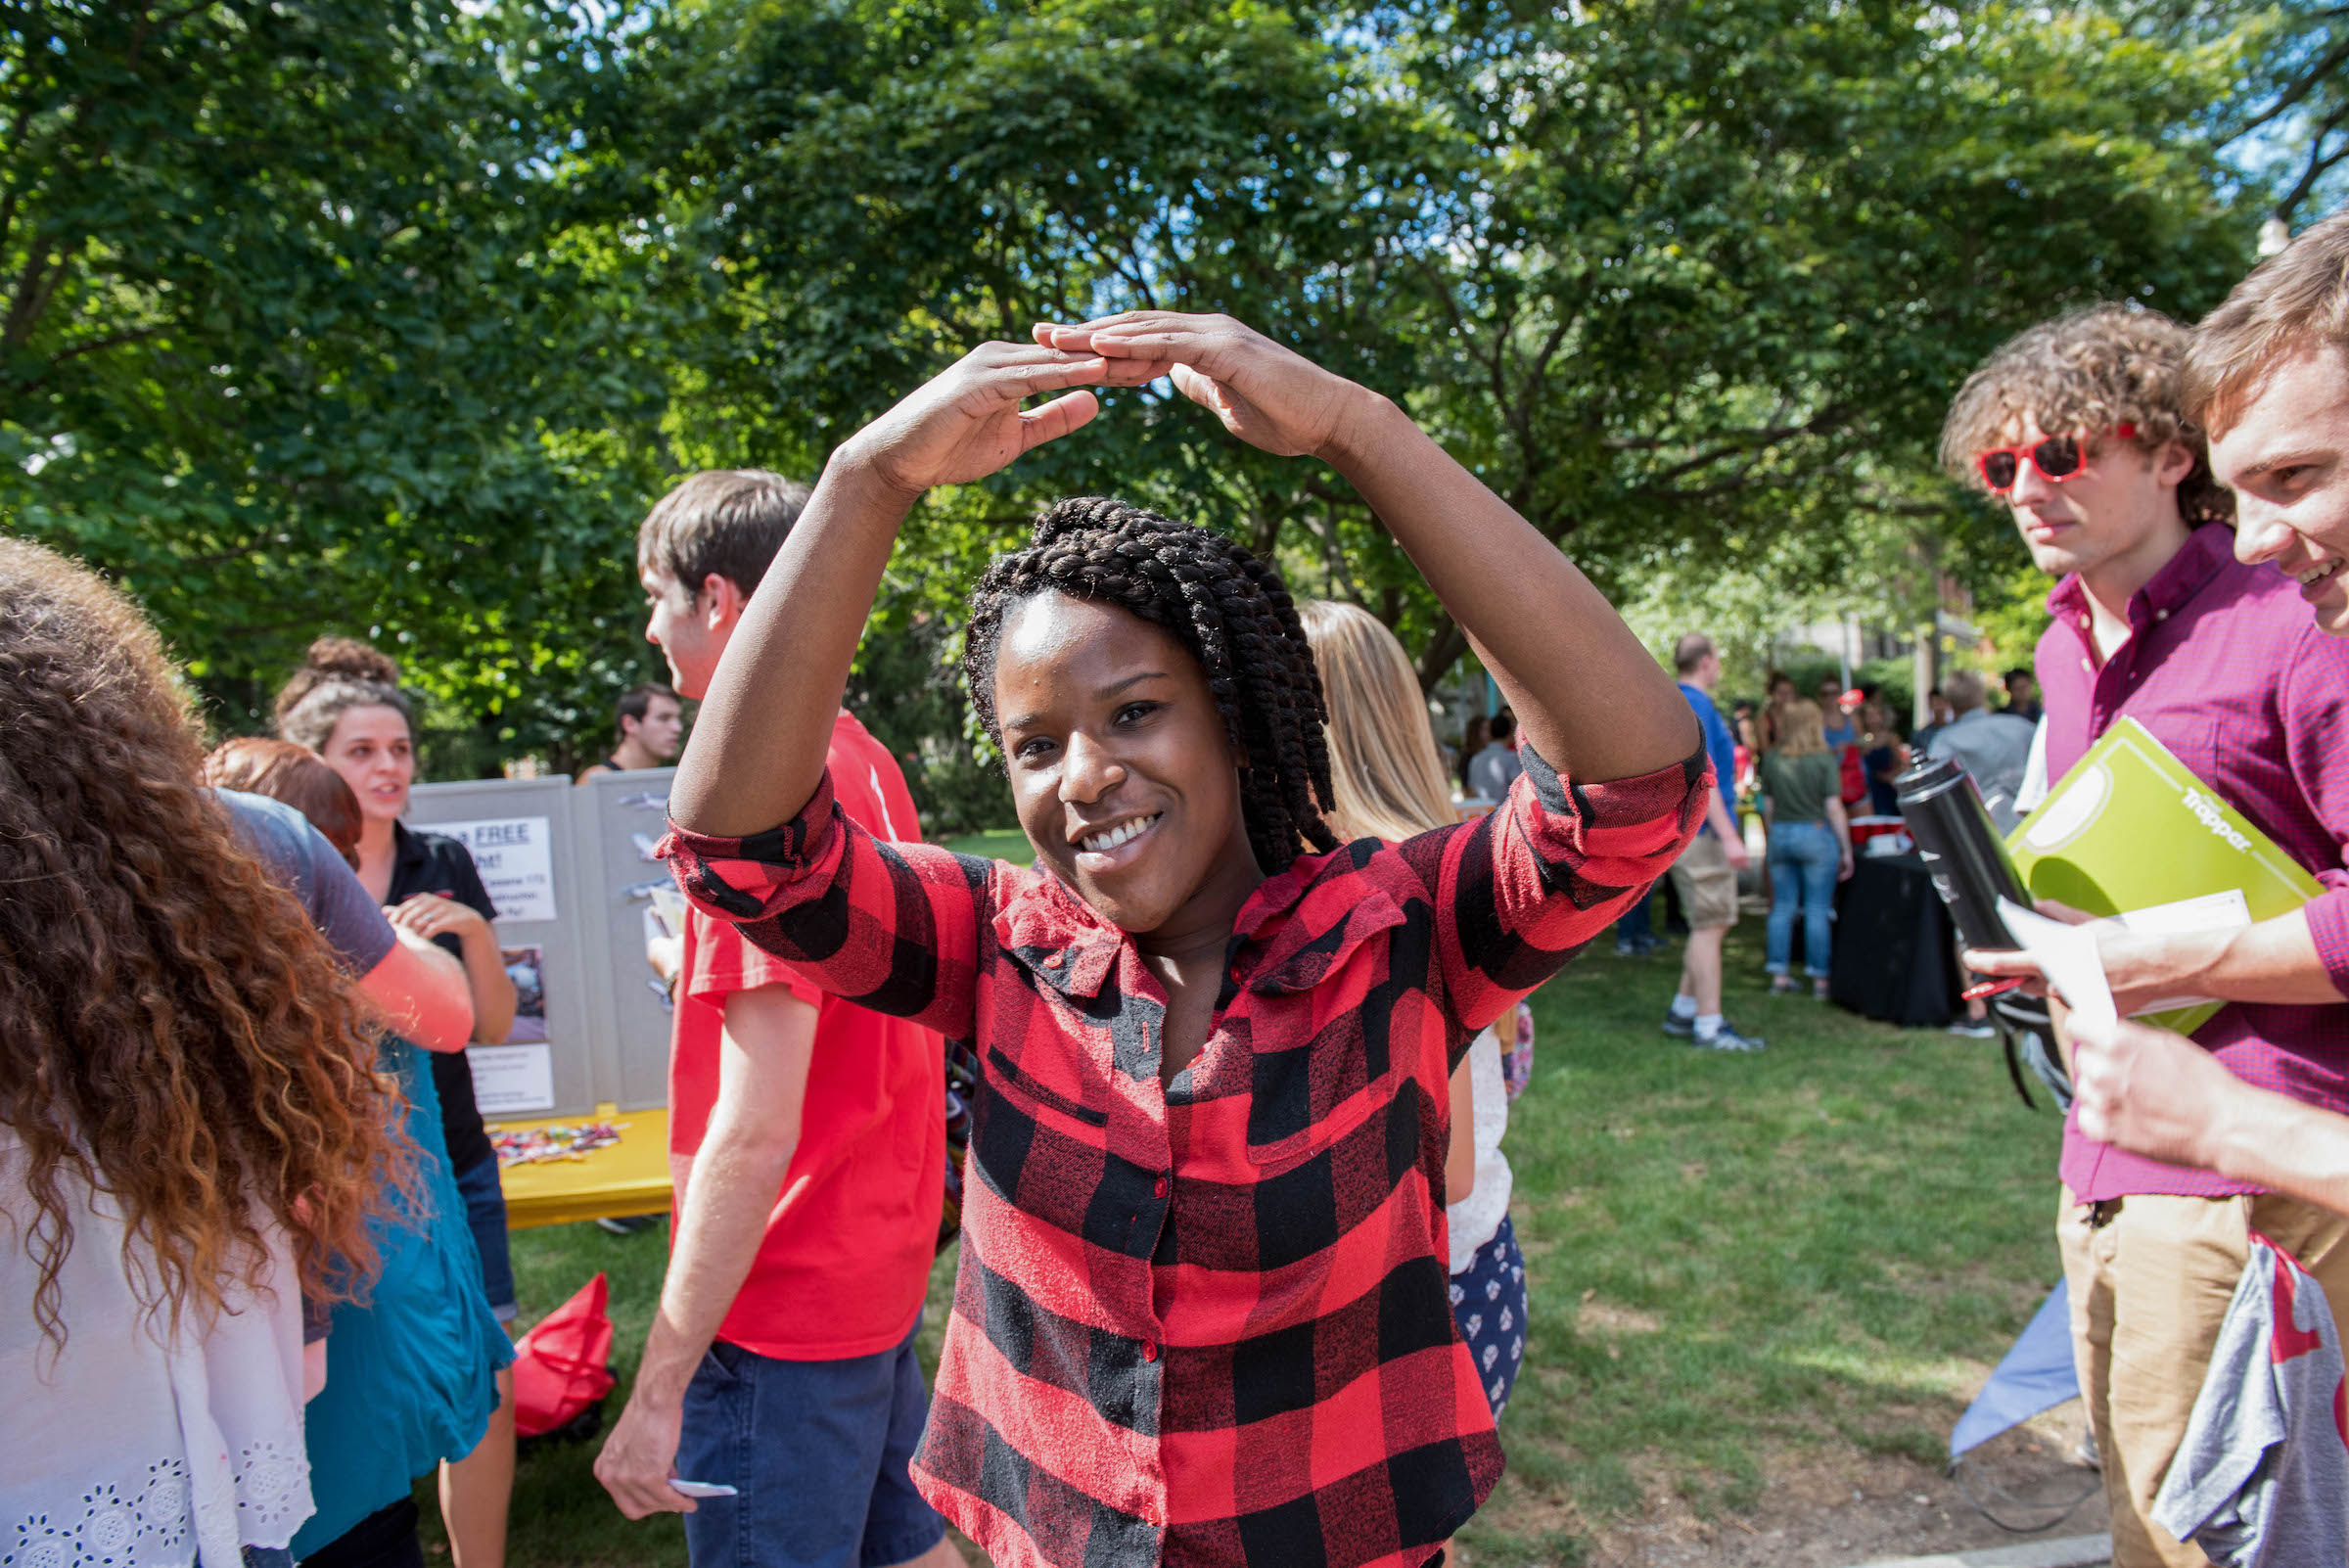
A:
(2225, 667)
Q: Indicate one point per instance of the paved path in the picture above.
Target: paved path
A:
(2079, 1551)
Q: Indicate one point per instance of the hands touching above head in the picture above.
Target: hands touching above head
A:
(967, 422)
(1272, 398)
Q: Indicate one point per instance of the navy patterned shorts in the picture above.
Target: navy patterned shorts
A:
(1488, 1302)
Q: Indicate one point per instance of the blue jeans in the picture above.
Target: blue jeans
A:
(1636, 922)
(819, 1451)
(1803, 861)
(486, 1214)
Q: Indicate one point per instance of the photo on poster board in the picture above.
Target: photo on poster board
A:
(527, 968)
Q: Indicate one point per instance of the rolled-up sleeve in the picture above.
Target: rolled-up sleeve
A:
(1519, 892)
(893, 927)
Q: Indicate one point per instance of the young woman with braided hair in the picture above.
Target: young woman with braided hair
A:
(1202, 1314)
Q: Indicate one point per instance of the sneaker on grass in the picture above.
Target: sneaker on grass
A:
(1680, 1027)
(1974, 1030)
(1727, 1038)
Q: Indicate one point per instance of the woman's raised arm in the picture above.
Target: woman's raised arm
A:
(1591, 700)
(757, 747)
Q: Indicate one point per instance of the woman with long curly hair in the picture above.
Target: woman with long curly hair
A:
(193, 1133)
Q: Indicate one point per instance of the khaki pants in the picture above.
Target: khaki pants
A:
(2150, 1288)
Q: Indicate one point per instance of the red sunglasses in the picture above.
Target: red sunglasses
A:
(2057, 457)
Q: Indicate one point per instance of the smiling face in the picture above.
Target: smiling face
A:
(2120, 508)
(2286, 459)
(372, 750)
(1125, 777)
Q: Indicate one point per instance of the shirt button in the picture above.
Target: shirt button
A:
(2161, 614)
(1149, 1351)
(1158, 1188)
(1055, 960)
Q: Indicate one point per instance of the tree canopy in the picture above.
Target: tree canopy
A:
(391, 319)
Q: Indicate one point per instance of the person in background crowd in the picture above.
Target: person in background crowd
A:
(1189, 911)
(411, 1374)
(652, 722)
(1705, 873)
(1883, 754)
(1778, 690)
(345, 705)
(1835, 712)
(193, 1133)
(1810, 845)
(1992, 747)
(1749, 754)
(1383, 787)
(809, 1139)
(1939, 713)
(2022, 695)
(1493, 769)
(2080, 426)
(1472, 741)
(2267, 375)
(1386, 786)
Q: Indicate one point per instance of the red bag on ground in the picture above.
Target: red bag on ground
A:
(562, 1366)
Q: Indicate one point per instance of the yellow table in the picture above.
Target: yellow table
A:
(628, 1178)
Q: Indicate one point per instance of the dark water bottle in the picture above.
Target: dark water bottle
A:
(1962, 850)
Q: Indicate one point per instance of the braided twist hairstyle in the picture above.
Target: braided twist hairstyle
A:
(1228, 608)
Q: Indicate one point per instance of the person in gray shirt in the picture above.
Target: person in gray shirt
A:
(1493, 769)
(1991, 748)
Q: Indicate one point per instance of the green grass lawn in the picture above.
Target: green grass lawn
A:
(996, 844)
(1736, 1262)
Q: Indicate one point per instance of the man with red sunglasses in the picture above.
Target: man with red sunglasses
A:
(2079, 427)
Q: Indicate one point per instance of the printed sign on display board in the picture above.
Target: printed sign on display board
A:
(518, 832)
(515, 858)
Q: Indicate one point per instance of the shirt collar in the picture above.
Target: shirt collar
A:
(408, 850)
(2206, 552)
(1066, 943)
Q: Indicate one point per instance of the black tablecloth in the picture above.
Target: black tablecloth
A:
(1895, 957)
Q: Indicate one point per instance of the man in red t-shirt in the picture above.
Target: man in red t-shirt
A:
(807, 1142)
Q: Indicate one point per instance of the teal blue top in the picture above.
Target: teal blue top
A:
(410, 1376)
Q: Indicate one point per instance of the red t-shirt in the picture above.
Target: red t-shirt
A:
(846, 1261)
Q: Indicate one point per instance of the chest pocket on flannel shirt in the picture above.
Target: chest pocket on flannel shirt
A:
(1336, 1022)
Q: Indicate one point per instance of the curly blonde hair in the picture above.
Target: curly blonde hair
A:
(2086, 372)
(173, 1032)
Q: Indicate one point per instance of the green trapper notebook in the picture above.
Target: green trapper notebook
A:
(2130, 832)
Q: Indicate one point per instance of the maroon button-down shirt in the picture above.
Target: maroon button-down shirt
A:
(2226, 669)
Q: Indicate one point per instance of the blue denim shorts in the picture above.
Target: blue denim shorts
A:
(818, 1451)
(486, 1214)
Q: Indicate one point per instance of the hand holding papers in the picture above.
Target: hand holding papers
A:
(2066, 955)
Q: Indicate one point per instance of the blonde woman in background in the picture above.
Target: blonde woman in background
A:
(1810, 842)
(1390, 785)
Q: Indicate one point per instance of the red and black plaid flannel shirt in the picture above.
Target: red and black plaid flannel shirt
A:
(1209, 1323)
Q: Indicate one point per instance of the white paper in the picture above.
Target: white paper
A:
(512, 1080)
(516, 858)
(2225, 910)
(2067, 955)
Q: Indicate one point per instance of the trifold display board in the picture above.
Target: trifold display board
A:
(572, 873)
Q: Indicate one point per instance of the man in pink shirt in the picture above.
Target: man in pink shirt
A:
(2078, 426)
(2269, 377)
